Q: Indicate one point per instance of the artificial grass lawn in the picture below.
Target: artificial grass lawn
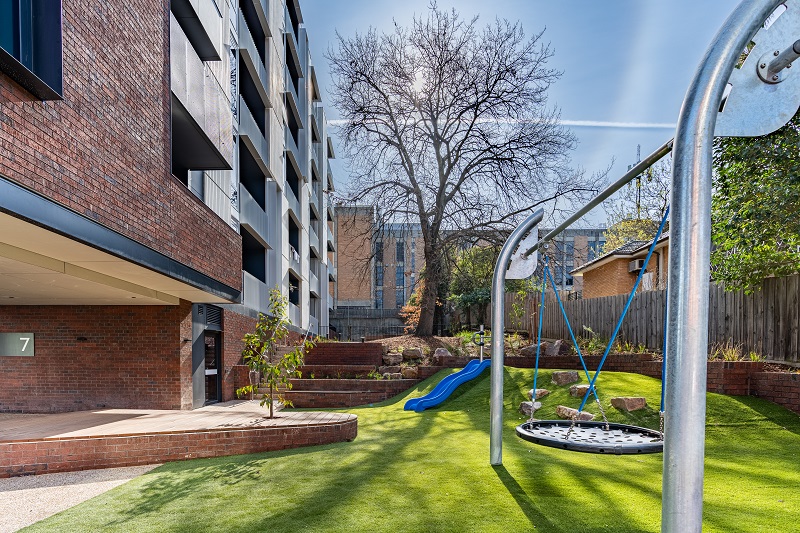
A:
(429, 472)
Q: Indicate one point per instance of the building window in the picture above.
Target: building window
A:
(379, 251)
(378, 298)
(399, 298)
(30, 45)
(400, 252)
(399, 276)
(379, 275)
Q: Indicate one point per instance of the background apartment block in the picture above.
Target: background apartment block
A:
(156, 179)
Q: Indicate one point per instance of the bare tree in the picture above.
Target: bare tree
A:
(446, 124)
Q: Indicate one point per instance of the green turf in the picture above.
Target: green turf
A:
(429, 471)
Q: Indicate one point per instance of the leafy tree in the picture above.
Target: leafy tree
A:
(756, 207)
(635, 213)
(262, 356)
(446, 125)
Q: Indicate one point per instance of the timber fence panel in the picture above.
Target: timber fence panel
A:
(766, 322)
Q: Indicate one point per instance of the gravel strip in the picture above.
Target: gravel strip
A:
(28, 499)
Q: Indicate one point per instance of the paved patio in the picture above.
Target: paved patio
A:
(44, 443)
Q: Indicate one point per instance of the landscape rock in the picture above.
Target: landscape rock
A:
(528, 351)
(529, 408)
(392, 359)
(539, 393)
(412, 354)
(394, 369)
(565, 377)
(568, 413)
(439, 355)
(410, 372)
(578, 391)
(629, 403)
(393, 375)
(558, 348)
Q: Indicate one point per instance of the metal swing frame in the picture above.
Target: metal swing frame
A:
(690, 236)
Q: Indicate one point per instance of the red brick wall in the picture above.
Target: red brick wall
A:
(346, 353)
(233, 373)
(133, 357)
(46, 456)
(104, 151)
(777, 387)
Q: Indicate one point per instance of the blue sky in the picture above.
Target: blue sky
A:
(624, 62)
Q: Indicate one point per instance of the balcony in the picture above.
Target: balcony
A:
(313, 284)
(256, 293)
(315, 198)
(251, 58)
(252, 217)
(291, 200)
(265, 17)
(251, 136)
(295, 316)
(332, 273)
(294, 261)
(292, 99)
(313, 239)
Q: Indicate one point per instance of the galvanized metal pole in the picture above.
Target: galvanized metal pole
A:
(498, 327)
(690, 247)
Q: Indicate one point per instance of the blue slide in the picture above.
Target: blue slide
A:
(446, 387)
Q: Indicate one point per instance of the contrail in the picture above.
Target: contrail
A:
(580, 124)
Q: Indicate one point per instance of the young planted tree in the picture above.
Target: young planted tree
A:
(446, 125)
(261, 353)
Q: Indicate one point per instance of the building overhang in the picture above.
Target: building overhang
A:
(50, 255)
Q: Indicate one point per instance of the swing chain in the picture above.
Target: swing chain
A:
(602, 412)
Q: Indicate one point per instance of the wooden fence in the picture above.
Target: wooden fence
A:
(766, 322)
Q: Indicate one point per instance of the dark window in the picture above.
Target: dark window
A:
(378, 298)
(399, 298)
(30, 45)
(379, 251)
(400, 252)
(399, 277)
(379, 275)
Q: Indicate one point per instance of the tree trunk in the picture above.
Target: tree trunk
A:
(428, 300)
(271, 400)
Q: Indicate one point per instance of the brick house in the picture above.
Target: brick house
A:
(144, 215)
(615, 272)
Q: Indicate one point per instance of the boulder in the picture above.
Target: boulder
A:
(392, 359)
(394, 369)
(539, 393)
(528, 351)
(439, 355)
(565, 377)
(628, 403)
(578, 391)
(412, 354)
(568, 413)
(529, 408)
(410, 372)
(558, 348)
(393, 375)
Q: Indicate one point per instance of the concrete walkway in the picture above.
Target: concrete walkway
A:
(108, 422)
(26, 500)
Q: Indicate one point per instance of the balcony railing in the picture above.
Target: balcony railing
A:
(253, 217)
(294, 260)
(249, 53)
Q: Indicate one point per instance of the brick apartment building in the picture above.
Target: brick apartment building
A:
(160, 169)
(378, 266)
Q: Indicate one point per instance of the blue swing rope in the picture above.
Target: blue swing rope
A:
(572, 335)
(539, 331)
(624, 312)
(664, 361)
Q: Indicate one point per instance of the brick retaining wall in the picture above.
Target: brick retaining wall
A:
(65, 455)
(777, 387)
(346, 353)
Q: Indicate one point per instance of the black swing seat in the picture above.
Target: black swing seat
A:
(592, 437)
